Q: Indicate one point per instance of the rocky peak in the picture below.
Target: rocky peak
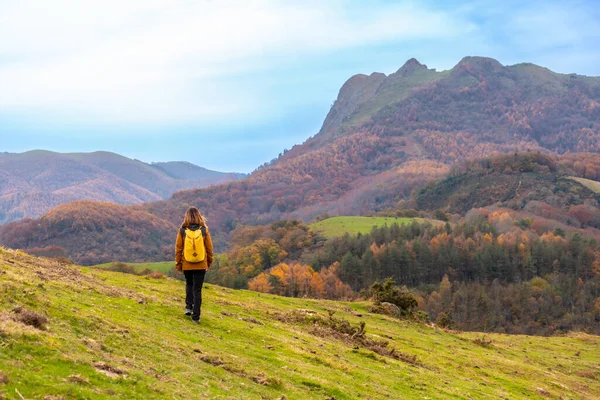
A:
(485, 64)
(410, 67)
(355, 92)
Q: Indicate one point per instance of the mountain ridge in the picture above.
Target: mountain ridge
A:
(473, 67)
(33, 182)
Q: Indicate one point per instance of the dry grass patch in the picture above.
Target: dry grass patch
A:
(108, 370)
(82, 380)
(212, 360)
(589, 374)
(30, 318)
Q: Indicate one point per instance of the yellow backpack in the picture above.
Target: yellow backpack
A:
(193, 244)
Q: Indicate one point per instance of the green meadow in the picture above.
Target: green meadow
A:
(338, 226)
(594, 186)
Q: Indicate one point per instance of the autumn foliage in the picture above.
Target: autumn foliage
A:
(298, 280)
(92, 232)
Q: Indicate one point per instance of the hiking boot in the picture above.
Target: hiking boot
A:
(188, 311)
(196, 321)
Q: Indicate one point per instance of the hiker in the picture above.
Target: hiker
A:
(193, 257)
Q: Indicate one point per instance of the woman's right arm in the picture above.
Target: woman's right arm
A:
(179, 252)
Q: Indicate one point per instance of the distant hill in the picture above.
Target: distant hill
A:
(87, 333)
(536, 187)
(186, 170)
(32, 183)
(533, 183)
(386, 136)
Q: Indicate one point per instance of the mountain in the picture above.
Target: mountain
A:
(478, 102)
(72, 332)
(384, 137)
(186, 170)
(32, 183)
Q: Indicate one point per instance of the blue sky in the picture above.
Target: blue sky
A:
(229, 84)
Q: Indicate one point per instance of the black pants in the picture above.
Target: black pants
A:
(193, 291)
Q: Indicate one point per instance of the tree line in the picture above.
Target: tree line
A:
(490, 271)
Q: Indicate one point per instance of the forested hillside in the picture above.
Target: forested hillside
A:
(34, 182)
(504, 260)
(389, 135)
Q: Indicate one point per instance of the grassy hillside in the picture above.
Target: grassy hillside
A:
(123, 336)
(337, 226)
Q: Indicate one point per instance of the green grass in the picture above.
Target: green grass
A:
(161, 266)
(594, 186)
(337, 226)
(134, 326)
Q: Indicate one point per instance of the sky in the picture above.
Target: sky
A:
(229, 84)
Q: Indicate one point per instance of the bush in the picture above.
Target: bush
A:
(441, 215)
(421, 316)
(130, 269)
(172, 273)
(483, 341)
(444, 320)
(409, 213)
(156, 275)
(387, 292)
(122, 267)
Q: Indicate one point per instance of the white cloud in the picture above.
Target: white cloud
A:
(160, 61)
(551, 25)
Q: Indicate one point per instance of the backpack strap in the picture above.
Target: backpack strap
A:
(182, 231)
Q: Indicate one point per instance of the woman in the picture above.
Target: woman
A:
(193, 257)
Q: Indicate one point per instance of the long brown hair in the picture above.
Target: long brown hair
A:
(193, 217)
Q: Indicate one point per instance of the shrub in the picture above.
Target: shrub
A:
(122, 267)
(441, 215)
(421, 316)
(444, 320)
(172, 273)
(483, 341)
(156, 275)
(388, 292)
